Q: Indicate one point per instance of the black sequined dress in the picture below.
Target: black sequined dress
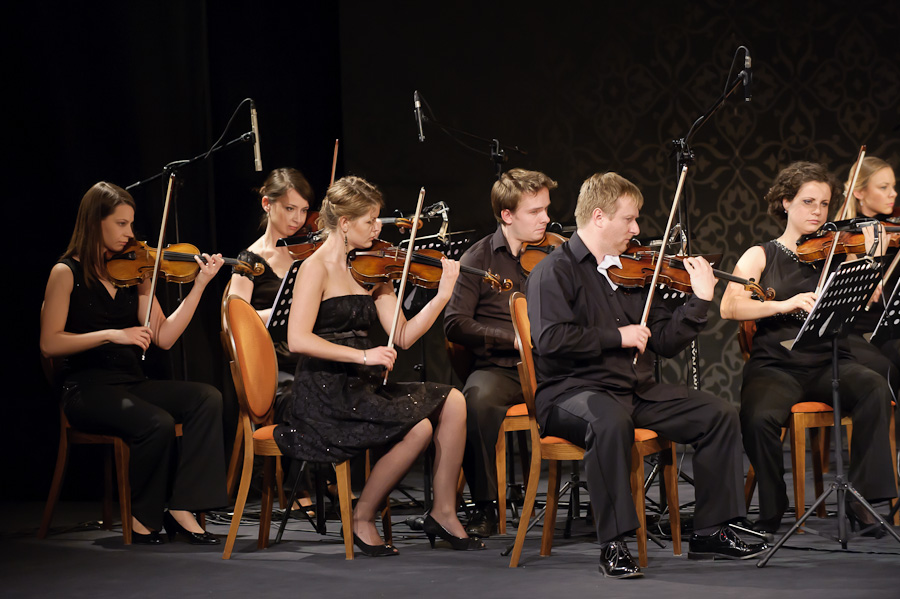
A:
(339, 409)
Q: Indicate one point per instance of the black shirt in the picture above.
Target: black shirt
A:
(575, 315)
(476, 316)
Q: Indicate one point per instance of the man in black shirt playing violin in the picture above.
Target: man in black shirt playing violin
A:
(586, 333)
(477, 318)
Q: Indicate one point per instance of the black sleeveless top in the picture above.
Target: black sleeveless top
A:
(93, 309)
(788, 276)
(265, 290)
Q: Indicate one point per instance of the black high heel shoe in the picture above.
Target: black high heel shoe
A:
(194, 538)
(152, 538)
(383, 550)
(433, 529)
(860, 518)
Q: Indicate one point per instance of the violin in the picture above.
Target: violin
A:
(638, 267)
(384, 263)
(815, 247)
(311, 225)
(403, 223)
(135, 263)
(532, 253)
(301, 247)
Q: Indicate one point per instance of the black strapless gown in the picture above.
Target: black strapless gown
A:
(338, 409)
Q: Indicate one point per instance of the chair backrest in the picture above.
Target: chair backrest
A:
(746, 330)
(461, 360)
(254, 365)
(518, 309)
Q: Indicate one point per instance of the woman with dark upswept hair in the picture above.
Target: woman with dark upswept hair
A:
(776, 378)
(96, 327)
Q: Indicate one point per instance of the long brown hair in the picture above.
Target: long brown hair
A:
(99, 202)
(279, 182)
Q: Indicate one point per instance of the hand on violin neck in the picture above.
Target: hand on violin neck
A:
(879, 247)
(209, 266)
(449, 274)
(635, 335)
(703, 281)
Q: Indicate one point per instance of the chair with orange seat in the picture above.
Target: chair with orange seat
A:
(255, 371)
(120, 453)
(516, 420)
(555, 449)
(814, 416)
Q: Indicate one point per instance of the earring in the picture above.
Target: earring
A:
(345, 244)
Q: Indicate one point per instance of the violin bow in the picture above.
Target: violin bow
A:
(662, 250)
(159, 252)
(406, 263)
(334, 162)
(843, 215)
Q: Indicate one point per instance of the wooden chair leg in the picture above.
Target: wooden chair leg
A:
(279, 485)
(798, 461)
(893, 441)
(553, 479)
(637, 494)
(524, 458)
(500, 459)
(749, 486)
(531, 488)
(123, 457)
(342, 471)
(62, 458)
(267, 502)
(670, 475)
(241, 501)
(234, 462)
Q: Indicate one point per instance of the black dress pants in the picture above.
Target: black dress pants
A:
(604, 425)
(144, 415)
(767, 396)
(489, 393)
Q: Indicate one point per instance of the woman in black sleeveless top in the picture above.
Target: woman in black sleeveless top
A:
(776, 378)
(96, 328)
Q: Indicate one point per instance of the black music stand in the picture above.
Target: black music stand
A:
(846, 291)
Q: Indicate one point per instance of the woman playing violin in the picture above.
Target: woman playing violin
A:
(339, 407)
(776, 378)
(874, 195)
(95, 327)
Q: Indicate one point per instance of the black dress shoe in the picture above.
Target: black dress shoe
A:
(149, 539)
(433, 529)
(861, 519)
(194, 538)
(482, 524)
(616, 562)
(723, 544)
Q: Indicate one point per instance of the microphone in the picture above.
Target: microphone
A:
(257, 157)
(418, 111)
(747, 76)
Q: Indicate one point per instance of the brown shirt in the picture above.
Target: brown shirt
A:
(476, 316)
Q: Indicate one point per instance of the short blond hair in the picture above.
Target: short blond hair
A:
(603, 190)
(512, 185)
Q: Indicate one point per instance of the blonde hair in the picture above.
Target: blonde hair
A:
(603, 190)
(512, 185)
(352, 197)
(870, 166)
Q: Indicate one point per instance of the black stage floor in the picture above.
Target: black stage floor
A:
(83, 561)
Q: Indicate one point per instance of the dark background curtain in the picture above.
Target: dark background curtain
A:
(114, 91)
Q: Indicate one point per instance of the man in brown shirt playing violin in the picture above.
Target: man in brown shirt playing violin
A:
(586, 330)
(477, 317)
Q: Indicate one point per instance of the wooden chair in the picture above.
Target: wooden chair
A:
(555, 449)
(232, 476)
(119, 451)
(516, 420)
(815, 417)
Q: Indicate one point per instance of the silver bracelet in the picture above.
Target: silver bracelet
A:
(365, 361)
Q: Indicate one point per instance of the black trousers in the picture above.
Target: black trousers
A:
(144, 415)
(604, 425)
(767, 395)
(489, 393)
